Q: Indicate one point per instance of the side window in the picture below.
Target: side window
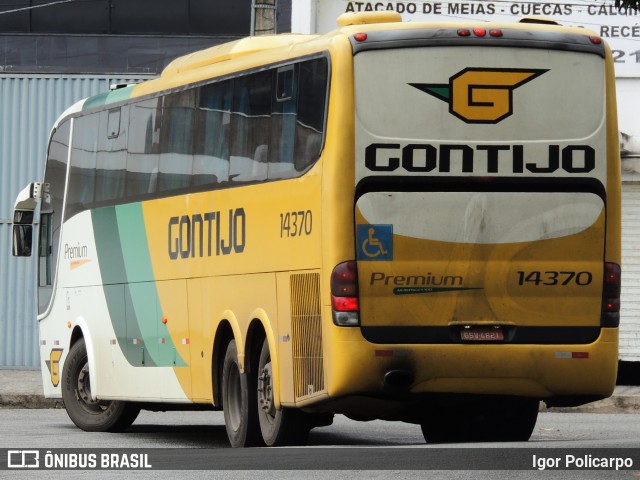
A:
(250, 127)
(143, 147)
(312, 100)
(81, 188)
(176, 141)
(212, 133)
(51, 212)
(112, 155)
(283, 124)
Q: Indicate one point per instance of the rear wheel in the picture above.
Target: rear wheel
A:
(88, 414)
(513, 419)
(239, 401)
(284, 426)
(502, 419)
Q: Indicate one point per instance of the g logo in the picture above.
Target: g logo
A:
(53, 364)
(481, 95)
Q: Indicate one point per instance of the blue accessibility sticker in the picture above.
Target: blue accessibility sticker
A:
(375, 242)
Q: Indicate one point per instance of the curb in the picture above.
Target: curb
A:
(615, 404)
(29, 401)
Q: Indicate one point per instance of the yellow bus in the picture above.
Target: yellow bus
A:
(405, 221)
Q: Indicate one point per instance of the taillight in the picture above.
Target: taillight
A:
(344, 294)
(611, 295)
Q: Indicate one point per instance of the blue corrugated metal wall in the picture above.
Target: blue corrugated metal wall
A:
(29, 104)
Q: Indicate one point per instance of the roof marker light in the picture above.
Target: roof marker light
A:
(360, 37)
(479, 32)
(495, 32)
(595, 40)
(464, 32)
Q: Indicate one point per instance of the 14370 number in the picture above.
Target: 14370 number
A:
(551, 278)
(296, 224)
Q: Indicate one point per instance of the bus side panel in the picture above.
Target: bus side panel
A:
(228, 244)
(121, 321)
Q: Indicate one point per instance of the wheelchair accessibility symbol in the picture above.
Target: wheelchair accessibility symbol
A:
(375, 242)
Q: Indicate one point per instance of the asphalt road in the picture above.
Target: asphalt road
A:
(196, 441)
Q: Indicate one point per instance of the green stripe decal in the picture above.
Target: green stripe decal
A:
(418, 290)
(106, 98)
(127, 274)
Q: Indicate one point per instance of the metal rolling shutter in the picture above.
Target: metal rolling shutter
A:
(630, 308)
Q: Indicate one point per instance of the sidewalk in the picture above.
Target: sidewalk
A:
(23, 389)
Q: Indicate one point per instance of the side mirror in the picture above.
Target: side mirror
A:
(23, 218)
(29, 196)
(22, 233)
(22, 240)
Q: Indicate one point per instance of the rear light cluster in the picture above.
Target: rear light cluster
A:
(611, 295)
(344, 294)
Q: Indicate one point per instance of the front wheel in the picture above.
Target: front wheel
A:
(284, 426)
(88, 414)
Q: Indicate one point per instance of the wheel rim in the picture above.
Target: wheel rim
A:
(265, 392)
(83, 393)
(233, 399)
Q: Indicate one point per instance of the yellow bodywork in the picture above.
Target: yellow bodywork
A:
(254, 284)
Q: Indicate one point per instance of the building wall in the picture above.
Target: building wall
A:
(30, 105)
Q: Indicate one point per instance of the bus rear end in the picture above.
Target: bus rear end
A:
(487, 220)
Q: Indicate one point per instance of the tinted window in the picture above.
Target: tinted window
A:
(144, 147)
(211, 161)
(51, 212)
(312, 99)
(281, 163)
(111, 159)
(176, 141)
(255, 127)
(250, 127)
(83, 164)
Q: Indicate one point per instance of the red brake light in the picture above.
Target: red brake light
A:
(611, 295)
(344, 304)
(344, 287)
(611, 287)
(344, 294)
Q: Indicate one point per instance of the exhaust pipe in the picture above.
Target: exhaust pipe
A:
(398, 380)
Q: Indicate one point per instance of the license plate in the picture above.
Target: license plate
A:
(482, 334)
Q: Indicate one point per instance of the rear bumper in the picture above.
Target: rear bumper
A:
(564, 371)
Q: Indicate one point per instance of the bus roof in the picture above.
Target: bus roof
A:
(231, 50)
(237, 55)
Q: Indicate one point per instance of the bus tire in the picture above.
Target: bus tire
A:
(284, 426)
(239, 401)
(513, 419)
(501, 419)
(91, 415)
